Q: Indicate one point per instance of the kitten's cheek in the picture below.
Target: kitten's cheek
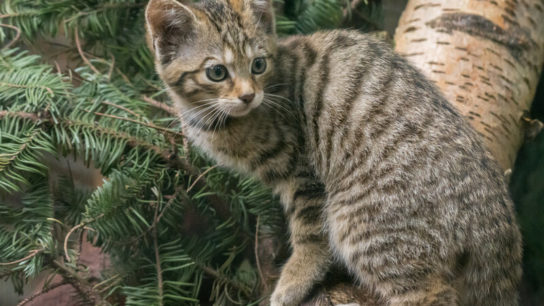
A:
(257, 101)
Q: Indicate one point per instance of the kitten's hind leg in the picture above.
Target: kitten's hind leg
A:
(397, 256)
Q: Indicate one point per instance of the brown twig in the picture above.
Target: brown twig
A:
(215, 274)
(24, 115)
(82, 224)
(45, 290)
(112, 65)
(17, 36)
(157, 104)
(157, 256)
(121, 108)
(81, 54)
(29, 256)
(199, 177)
(140, 122)
(257, 260)
(82, 285)
(49, 90)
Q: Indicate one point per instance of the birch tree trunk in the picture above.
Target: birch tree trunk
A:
(486, 56)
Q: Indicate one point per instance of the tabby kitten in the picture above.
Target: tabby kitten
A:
(373, 166)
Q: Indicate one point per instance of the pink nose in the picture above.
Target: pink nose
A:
(247, 98)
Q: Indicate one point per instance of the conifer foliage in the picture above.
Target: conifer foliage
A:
(177, 229)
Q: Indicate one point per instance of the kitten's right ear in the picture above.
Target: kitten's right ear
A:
(170, 24)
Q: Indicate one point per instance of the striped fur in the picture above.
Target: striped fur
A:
(374, 168)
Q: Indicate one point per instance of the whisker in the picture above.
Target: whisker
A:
(278, 96)
(276, 85)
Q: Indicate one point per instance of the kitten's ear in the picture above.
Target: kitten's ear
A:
(263, 11)
(170, 24)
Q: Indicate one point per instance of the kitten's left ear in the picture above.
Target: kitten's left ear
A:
(171, 25)
(263, 11)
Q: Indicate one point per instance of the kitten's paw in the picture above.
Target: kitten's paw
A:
(288, 295)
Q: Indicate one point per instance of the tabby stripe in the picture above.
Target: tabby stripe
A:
(310, 238)
(375, 109)
(369, 211)
(393, 229)
(417, 273)
(312, 191)
(209, 89)
(309, 62)
(363, 178)
(277, 148)
(348, 103)
(323, 82)
(182, 77)
(346, 233)
(293, 75)
(271, 153)
(212, 20)
(358, 197)
(407, 130)
(363, 156)
(339, 42)
(342, 42)
(309, 215)
(273, 175)
(309, 54)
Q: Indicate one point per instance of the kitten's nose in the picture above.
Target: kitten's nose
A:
(247, 98)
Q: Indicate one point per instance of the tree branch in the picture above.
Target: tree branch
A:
(79, 283)
(82, 224)
(157, 256)
(45, 290)
(165, 107)
(15, 39)
(81, 54)
(29, 256)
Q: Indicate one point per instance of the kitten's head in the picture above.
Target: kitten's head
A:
(215, 55)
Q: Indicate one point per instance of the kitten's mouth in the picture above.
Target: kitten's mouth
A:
(241, 109)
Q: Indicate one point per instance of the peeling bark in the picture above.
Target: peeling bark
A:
(486, 56)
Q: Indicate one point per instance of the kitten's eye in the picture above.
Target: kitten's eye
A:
(217, 73)
(258, 66)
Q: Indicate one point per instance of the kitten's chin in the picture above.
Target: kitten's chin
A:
(240, 113)
(243, 109)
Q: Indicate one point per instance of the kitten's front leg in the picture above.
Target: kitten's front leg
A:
(310, 259)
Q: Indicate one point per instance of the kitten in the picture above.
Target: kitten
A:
(373, 166)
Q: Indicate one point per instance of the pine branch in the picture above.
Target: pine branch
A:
(82, 286)
(45, 290)
(217, 275)
(27, 86)
(141, 123)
